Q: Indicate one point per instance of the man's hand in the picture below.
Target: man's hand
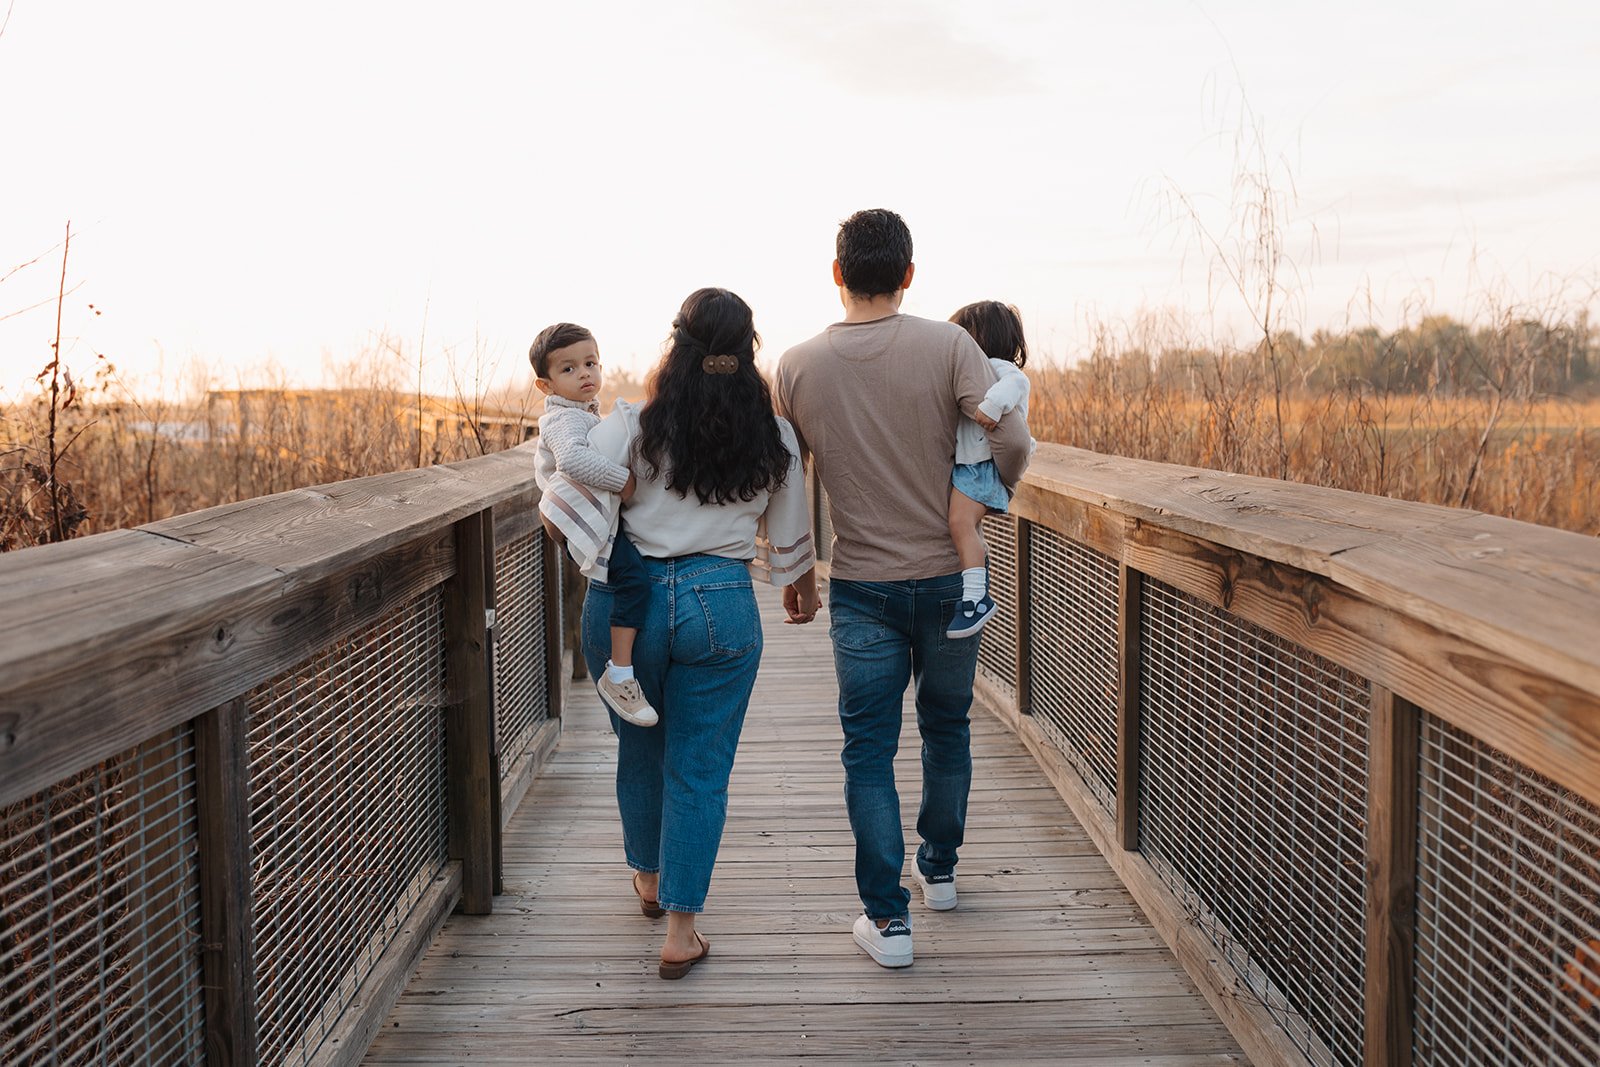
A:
(628, 490)
(983, 420)
(801, 604)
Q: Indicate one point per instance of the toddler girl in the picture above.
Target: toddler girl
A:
(976, 488)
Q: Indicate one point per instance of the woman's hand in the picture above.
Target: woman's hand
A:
(628, 490)
(801, 602)
(552, 530)
(983, 420)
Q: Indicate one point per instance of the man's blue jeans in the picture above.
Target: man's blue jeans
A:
(884, 635)
(695, 658)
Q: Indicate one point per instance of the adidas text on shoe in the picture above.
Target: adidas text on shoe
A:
(627, 700)
(890, 946)
(938, 891)
(970, 617)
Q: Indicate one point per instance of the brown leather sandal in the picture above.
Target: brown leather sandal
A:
(652, 909)
(682, 967)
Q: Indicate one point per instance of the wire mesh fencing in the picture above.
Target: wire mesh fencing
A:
(997, 644)
(1508, 910)
(1073, 604)
(521, 692)
(100, 904)
(1253, 809)
(348, 817)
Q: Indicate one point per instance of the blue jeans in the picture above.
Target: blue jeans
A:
(696, 659)
(884, 635)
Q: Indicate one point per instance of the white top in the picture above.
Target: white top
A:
(773, 531)
(1008, 394)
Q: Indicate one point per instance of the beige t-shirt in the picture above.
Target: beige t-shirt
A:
(876, 404)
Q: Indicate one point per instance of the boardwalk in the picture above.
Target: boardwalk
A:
(1047, 958)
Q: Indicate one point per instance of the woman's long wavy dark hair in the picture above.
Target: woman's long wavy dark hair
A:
(712, 432)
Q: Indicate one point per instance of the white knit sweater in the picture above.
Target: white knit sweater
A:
(1010, 393)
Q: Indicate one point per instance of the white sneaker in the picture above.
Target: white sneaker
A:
(938, 892)
(627, 700)
(890, 946)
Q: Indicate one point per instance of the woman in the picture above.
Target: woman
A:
(712, 464)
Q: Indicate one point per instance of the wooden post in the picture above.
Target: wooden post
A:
(222, 786)
(469, 736)
(1130, 590)
(496, 771)
(1024, 663)
(1392, 792)
(551, 562)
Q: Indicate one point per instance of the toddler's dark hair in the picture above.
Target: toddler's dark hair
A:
(997, 328)
(551, 338)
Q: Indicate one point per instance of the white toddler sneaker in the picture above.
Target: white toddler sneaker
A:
(627, 700)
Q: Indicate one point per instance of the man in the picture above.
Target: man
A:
(876, 400)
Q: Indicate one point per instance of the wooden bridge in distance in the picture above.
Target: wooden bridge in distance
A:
(1262, 771)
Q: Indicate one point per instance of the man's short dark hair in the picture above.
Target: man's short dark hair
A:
(874, 252)
(551, 338)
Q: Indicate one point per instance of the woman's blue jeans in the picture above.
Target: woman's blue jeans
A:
(696, 659)
(884, 635)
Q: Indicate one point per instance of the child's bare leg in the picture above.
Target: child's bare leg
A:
(622, 645)
(966, 530)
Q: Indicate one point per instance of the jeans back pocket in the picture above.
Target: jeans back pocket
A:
(733, 625)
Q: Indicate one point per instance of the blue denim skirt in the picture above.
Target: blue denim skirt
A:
(981, 482)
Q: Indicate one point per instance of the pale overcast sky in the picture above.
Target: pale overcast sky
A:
(285, 180)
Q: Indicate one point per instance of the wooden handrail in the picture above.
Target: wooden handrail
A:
(1490, 623)
(112, 638)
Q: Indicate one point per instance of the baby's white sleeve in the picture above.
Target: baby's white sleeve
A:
(1007, 393)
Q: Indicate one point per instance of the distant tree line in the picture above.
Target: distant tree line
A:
(1437, 355)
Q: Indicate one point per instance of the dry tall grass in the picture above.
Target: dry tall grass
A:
(1496, 438)
(122, 459)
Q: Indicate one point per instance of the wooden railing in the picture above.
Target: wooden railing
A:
(1344, 750)
(251, 757)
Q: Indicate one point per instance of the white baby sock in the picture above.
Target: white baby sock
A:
(618, 674)
(974, 580)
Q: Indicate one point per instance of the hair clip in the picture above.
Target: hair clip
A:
(720, 364)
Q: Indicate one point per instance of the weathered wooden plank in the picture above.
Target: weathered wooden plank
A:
(222, 777)
(550, 557)
(326, 528)
(517, 517)
(469, 741)
(1283, 521)
(1391, 878)
(68, 604)
(1532, 593)
(496, 771)
(1434, 564)
(648, 1017)
(1130, 597)
(174, 657)
(1022, 672)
